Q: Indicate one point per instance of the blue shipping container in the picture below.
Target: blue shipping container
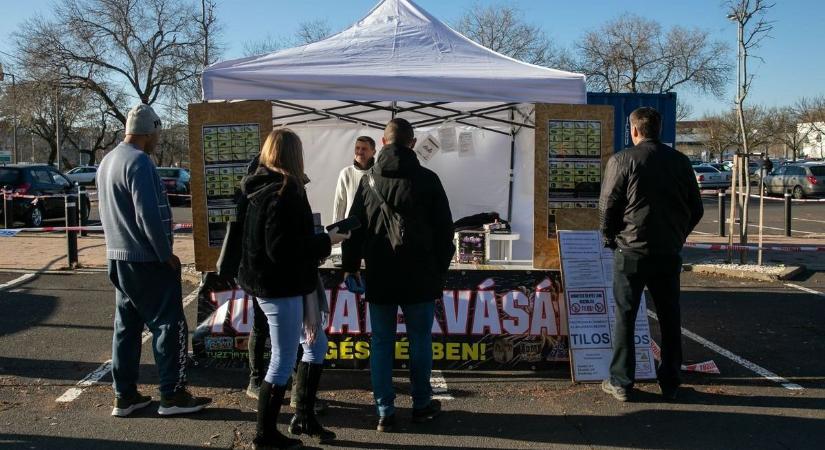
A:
(624, 104)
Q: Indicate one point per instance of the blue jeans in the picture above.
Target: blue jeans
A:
(285, 317)
(148, 293)
(419, 321)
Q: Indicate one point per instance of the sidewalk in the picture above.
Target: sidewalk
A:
(48, 251)
(811, 260)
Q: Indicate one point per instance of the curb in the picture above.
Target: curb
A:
(714, 270)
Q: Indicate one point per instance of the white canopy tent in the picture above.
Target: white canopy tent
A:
(401, 61)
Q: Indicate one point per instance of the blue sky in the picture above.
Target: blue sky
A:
(793, 66)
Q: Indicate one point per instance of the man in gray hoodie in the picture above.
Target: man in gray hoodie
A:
(137, 223)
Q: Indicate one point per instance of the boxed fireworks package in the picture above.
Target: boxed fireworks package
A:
(470, 247)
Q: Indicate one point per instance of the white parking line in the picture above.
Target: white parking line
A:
(759, 370)
(804, 289)
(727, 222)
(439, 384)
(17, 281)
(809, 220)
(73, 393)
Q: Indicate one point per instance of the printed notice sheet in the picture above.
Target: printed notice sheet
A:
(587, 269)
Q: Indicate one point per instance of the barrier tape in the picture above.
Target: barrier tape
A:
(775, 248)
(795, 200)
(702, 367)
(91, 194)
(11, 232)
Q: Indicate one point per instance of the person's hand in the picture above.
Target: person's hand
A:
(337, 238)
(174, 263)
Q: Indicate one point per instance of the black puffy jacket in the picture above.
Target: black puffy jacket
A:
(280, 248)
(650, 200)
(417, 194)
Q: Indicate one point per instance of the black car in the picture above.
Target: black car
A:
(37, 180)
(176, 181)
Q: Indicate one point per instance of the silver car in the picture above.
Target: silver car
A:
(709, 177)
(83, 174)
(801, 180)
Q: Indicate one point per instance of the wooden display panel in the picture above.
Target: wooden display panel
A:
(209, 116)
(592, 124)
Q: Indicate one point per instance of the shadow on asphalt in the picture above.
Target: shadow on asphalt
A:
(48, 369)
(22, 441)
(37, 309)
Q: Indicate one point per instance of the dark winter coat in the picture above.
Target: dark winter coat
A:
(280, 247)
(650, 200)
(417, 194)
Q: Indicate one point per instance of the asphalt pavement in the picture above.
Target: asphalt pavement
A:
(56, 330)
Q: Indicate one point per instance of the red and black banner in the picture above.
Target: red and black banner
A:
(485, 320)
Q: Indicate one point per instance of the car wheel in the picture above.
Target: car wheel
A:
(34, 218)
(797, 192)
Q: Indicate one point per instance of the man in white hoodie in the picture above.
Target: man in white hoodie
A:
(350, 177)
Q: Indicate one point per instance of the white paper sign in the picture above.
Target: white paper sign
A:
(427, 147)
(591, 309)
(465, 142)
(448, 140)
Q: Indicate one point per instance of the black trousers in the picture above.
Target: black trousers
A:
(660, 273)
(258, 364)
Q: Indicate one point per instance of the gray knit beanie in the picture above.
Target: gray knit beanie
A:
(142, 120)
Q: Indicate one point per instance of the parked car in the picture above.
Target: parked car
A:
(37, 179)
(83, 174)
(176, 180)
(801, 179)
(709, 177)
(719, 166)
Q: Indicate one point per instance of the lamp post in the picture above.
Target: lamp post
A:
(3, 75)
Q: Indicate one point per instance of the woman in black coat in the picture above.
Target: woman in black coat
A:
(279, 266)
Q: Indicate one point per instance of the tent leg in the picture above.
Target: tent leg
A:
(512, 167)
(394, 109)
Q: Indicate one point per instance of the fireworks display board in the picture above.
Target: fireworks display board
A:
(485, 320)
(223, 138)
(573, 143)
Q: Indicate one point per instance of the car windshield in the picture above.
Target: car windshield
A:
(168, 173)
(818, 171)
(9, 175)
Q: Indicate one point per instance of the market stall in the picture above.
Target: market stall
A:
(507, 137)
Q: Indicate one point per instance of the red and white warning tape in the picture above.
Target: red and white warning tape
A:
(11, 232)
(775, 248)
(795, 200)
(702, 367)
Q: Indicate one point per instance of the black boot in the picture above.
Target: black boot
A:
(267, 435)
(305, 422)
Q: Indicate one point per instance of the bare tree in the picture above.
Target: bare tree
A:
(110, 47)
(634, 54)
(312, 31)
(308, 32)
(683, 110)
(95, 131)
(785, 129)
(502, 28)
(752, 28)
(207, 33)
(262, 46)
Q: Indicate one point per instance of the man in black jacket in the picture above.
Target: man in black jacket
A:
(408, 274)
(649, 204)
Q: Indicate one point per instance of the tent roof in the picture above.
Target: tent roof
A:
(398, 52)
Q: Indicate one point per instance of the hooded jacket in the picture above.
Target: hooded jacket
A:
(280, 248)
(417, 194)
(650, 200)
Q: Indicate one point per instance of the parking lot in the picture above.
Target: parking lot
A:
(765, 338)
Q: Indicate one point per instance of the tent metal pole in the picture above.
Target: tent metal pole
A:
(512, 166)
(394, 109)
